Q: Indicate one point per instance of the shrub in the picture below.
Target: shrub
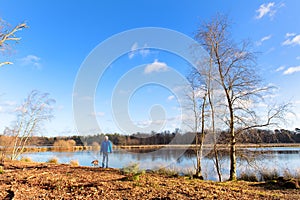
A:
(167, 172)
(64, 144)
(132, 172)
(95, 146)
(74, 163)
(53, 160)
(1, 170)
(26, 159)
(287, 174)
(248, 177)
(269, 175)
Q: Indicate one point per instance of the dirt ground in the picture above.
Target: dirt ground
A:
(21, 180)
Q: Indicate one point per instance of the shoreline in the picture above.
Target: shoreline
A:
(241, 146)
(149, 147)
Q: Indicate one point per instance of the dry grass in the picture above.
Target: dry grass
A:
(45, 181)
(26, 159)
(74, 163)
(53, 160)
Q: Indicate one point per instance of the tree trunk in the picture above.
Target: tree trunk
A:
(232, 151)
(217, 162)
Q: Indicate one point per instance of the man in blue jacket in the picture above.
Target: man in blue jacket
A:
(106, 147)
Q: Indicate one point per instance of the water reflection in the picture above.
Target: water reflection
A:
(249, 159)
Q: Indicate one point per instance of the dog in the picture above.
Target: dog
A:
(95, 163)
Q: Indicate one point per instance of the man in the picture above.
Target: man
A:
(106, 147)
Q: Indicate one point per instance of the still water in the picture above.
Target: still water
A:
(276, 158)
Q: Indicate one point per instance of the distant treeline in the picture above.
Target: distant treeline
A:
(253, 136)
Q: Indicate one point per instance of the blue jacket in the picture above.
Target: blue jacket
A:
(106, 147)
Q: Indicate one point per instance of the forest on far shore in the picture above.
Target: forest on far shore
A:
(253, 136)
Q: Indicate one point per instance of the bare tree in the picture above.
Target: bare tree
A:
(236, 75)
(8, 35)
(36, 109)
(197, 102)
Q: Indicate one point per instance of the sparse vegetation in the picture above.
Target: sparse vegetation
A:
(26, 159)
(45, 181)
(53, 160)
(132, 172)
(74, 163)
(1, 170)
(252, 177)
(268, 175)
(167, 172)
(64, 145)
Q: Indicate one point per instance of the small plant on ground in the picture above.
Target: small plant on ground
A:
(167, 172)
(132, 172)
(53, 160)
(1, 170)
(266, 175)
(248, 177)
(26, 159)
(74, 163)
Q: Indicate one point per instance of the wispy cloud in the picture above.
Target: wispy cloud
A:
(31, 60)
(298, 57)
(265, 9)
(292, 70)
(280, 68)
(293, 39)
(287, 35)
(8, 106)
(171, 97)
(268, 9)
(156, 66)
(143, 51)
(263, 39)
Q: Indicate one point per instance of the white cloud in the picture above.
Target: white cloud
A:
(156, 66)
(133, 49)
(10, 103)
(31, 60)
(298, 57)
(8, 106)
(263, 39)
(265, 9)
(144, 51)
(292, 70)
(287, 35)
(280, 68)
(171, 97)
(292, 40)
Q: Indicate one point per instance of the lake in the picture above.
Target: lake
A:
(271, 158)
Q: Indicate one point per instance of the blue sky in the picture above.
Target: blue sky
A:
(63, 33)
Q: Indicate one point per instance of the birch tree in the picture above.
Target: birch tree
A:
(31, 115)
(197, 102)
(238, 78)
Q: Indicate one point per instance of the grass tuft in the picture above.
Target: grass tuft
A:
(248, 177)
(266, 175)
(167, 172)
(26, 159)
(74, 163)
(132, 172)
(53, 160)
